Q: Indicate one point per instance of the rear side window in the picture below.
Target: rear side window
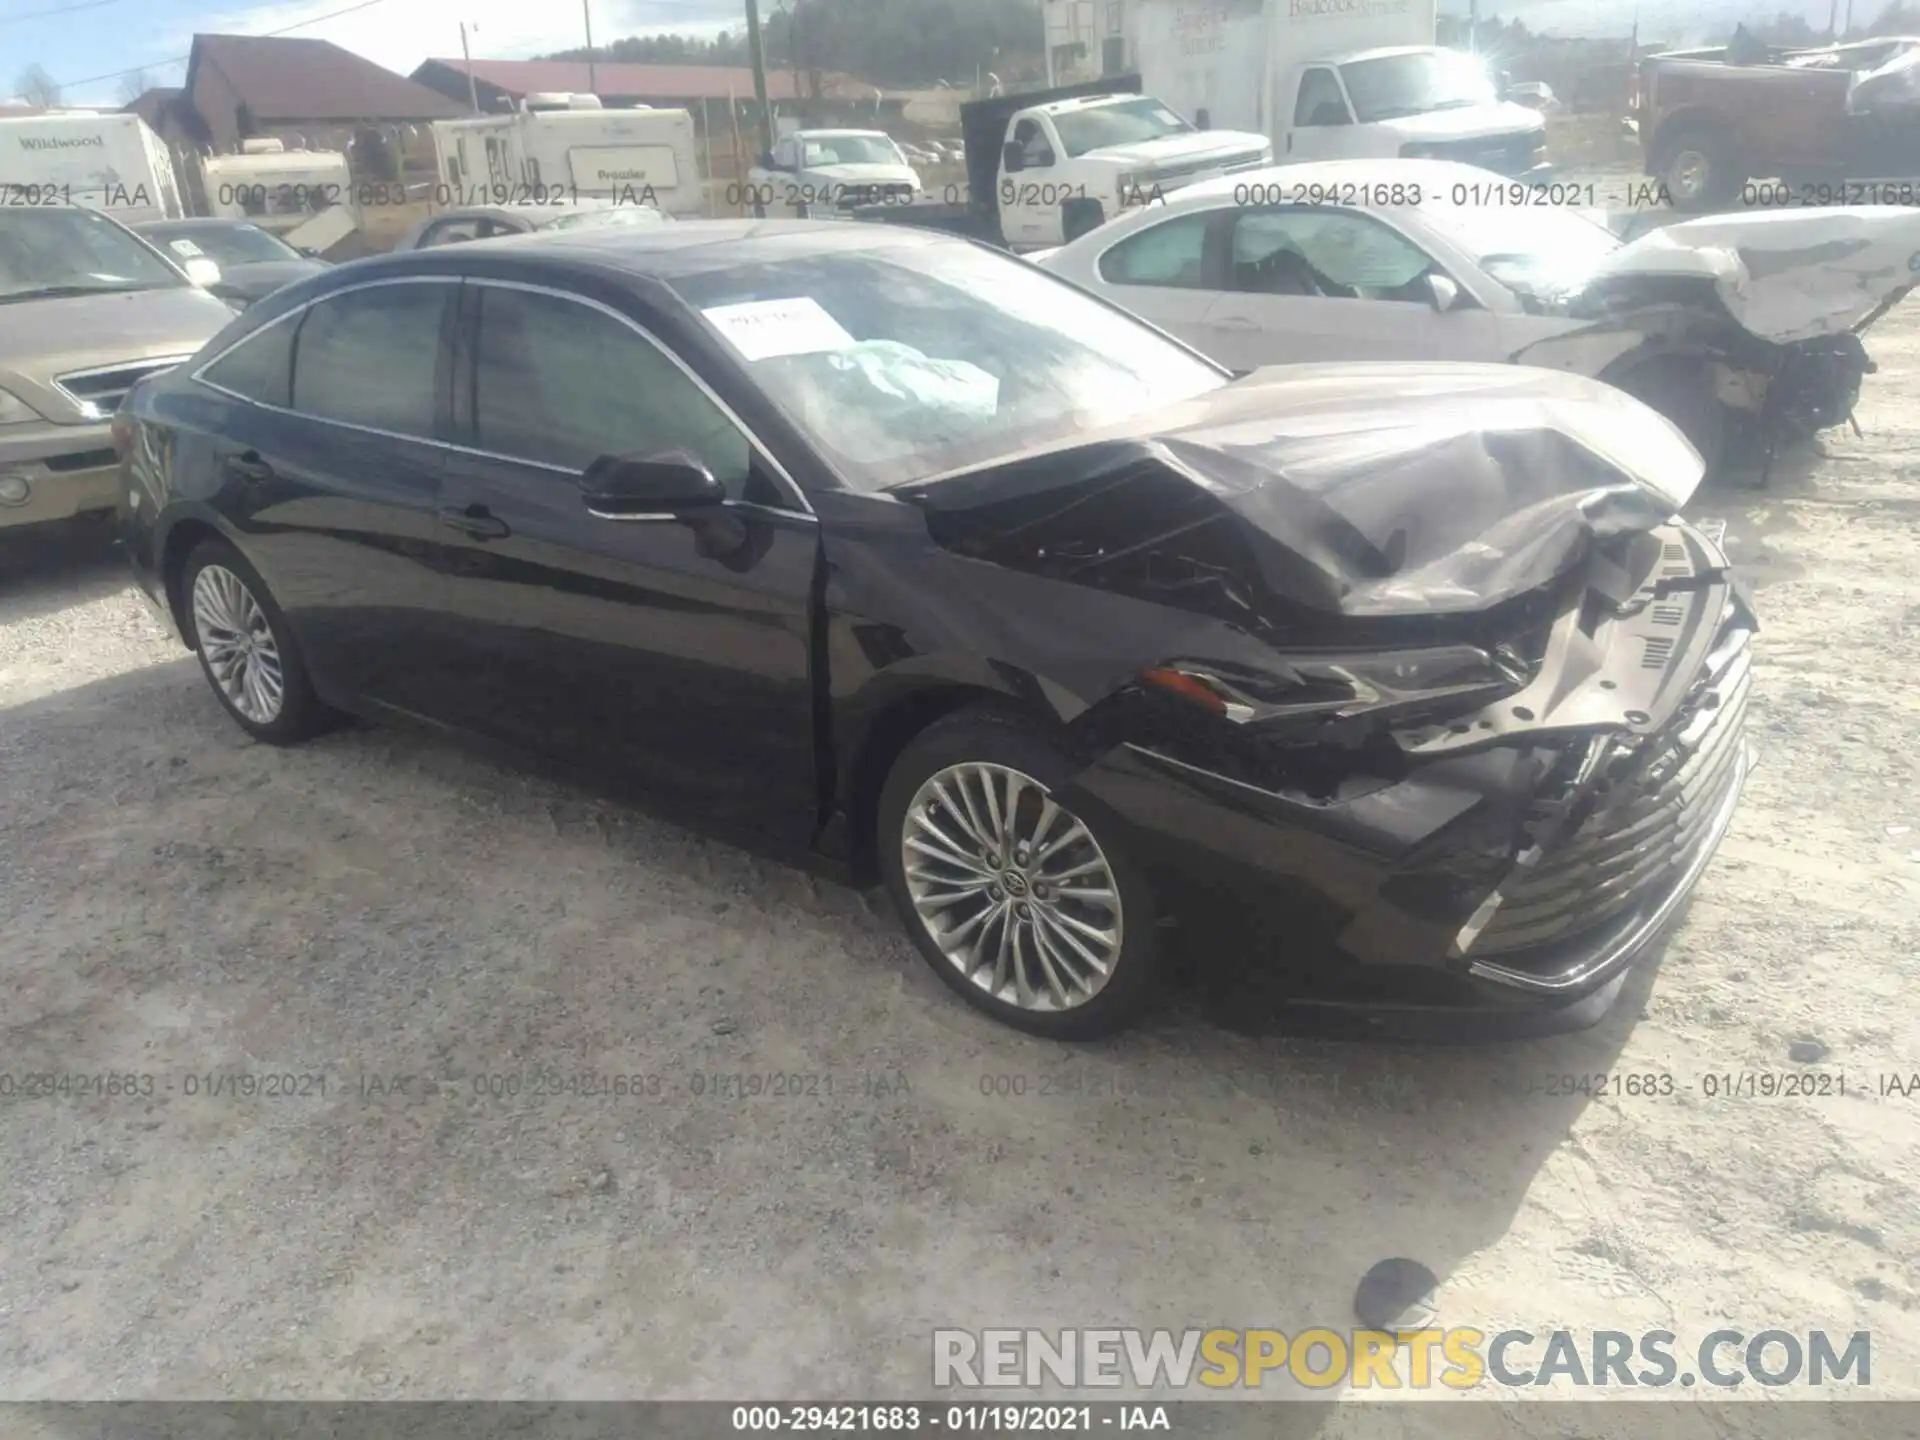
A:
(1172, 253)
(371, 357)
(260, 367)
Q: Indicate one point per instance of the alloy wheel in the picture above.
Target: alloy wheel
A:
(238, 645)
(1012, 887)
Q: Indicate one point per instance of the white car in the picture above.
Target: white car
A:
(1757, 312)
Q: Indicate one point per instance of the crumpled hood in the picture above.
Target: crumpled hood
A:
(1363, 490)
(1786, 275)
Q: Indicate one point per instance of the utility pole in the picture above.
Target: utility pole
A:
(758, 58)
(593, 79)
(473, 91)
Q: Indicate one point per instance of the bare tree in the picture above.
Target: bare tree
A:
(36, 87)
(133, 86)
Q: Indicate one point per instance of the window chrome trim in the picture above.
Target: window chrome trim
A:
(780, 471)
(199, 375)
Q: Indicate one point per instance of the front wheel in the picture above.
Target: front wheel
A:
(1030, 911)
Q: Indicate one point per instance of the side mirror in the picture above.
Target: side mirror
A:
(1443, 293)
(1012, 157)
(656, 487)
(766, 160)
(1203, 119)
(202, 272)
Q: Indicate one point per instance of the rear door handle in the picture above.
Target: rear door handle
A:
(474, 520)
(249, 466)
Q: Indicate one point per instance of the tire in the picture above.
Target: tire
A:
(958, 755)
(1700, 168)
(221, 595)
(1680, 391)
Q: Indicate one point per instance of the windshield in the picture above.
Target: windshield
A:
(223, 244)
(1125, 122)
(850, 150)
(1537, 250)
(902, 362)
(73, 251)
(613, 215)
(1395, 85)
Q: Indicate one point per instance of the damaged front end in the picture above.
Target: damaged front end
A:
(1452, 682)
(1770, 308)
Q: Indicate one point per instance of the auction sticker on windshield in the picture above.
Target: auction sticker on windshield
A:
(766, 329)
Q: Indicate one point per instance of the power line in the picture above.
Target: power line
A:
(57, 10)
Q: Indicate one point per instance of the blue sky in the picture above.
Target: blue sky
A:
(87, 38)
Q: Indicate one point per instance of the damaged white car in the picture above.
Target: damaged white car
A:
(1744, 330)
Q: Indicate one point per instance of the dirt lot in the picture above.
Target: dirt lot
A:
(185, 905)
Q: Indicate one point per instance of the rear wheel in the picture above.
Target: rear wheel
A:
(1031, 912)
(247, 653)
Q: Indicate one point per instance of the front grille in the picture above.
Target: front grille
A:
(1645, 825)
(104, 389)
(1506, 154)
(1180, 173)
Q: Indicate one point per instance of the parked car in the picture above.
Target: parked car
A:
(486, 222)
(905, 559)
(1738, 325)
(1833, 124)
(253, 262)
(86, 309)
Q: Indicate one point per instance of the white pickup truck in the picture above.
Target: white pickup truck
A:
(1045, 168)
(829, 172)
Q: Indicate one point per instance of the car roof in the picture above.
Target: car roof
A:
(1384, 52)
(686, 247)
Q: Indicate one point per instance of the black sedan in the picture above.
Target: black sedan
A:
(253, 262)
(899, 555)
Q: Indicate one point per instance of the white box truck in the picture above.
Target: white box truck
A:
(109, 162)
(565, 146)
(1332, 79)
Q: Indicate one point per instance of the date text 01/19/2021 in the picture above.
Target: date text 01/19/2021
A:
(909, 1419)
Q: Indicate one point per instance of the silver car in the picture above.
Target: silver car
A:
(86, 310)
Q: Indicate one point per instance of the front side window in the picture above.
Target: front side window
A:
(563, 383)
(1320, 102)
(260, 367)
(371, 357)
(1033, 144)
(451, 232)
(1339, 254)
(1172, 253)
(909, 358)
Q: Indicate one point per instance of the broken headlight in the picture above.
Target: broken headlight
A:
(1338, 686)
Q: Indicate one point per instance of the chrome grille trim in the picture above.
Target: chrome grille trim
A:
(105, 386)
(1647, 828)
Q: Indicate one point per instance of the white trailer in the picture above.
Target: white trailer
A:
(569, 146)
(111, 162)
(276, 188)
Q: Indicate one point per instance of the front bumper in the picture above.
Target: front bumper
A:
(67, 470)
(1523, 866)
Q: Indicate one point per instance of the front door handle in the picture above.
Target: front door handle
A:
(474, 520)
(249, 466)
(1236, 322)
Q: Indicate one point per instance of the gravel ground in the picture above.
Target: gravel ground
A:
(384, 911)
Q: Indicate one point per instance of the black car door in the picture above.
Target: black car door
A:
(673, 654)
(335, 483)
